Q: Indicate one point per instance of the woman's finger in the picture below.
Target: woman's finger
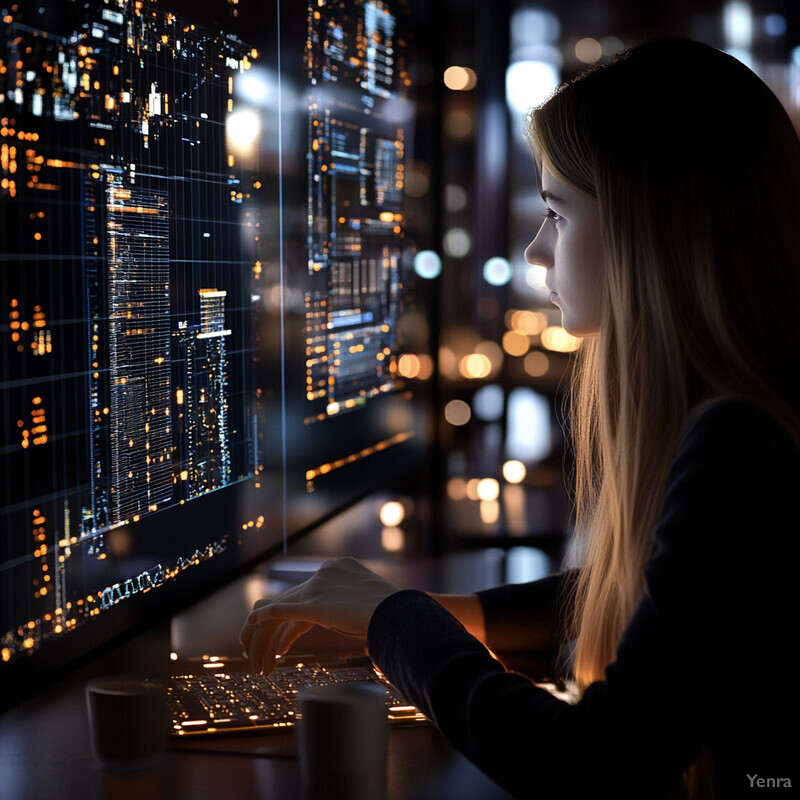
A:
(286, 635)
(258, 644)
(261, 614)
(273, 614)
(273, 640)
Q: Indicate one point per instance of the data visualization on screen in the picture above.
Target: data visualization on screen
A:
(357, 112)
(205, 245)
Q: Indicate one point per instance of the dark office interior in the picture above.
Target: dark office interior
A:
(264, 304)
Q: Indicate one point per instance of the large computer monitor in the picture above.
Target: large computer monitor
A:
(207, 295)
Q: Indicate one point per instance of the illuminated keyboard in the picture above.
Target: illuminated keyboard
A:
(222, 702)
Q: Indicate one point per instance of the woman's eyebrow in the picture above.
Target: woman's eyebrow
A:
(549, 197)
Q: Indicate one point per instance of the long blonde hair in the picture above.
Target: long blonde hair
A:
(696, 170)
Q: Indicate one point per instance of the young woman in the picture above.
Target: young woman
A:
(672, 245)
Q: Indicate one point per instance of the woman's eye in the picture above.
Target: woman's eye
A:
(550, 214)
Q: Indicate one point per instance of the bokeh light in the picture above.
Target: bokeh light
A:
(536, 364)
(460, 79)
(392, 513)
(488, 489)
(457, 412)
(588, 50)
(493, 352)
(514, 471)
(427, 264)
(555, 338)
(535, 277)
(457, 488)
(475, 366)
(455, 198)
(489, 402)
(530, 83)
(413, 366)
(242, 129)
(516, 343)
(489, 511)
(497, 271)
(457, 242)
(531, 323)
(393, 539)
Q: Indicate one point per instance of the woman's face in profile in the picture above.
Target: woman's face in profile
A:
(568, 245)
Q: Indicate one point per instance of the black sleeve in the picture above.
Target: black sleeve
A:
(715, 619)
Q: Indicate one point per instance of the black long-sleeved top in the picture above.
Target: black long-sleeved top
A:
(703, 664)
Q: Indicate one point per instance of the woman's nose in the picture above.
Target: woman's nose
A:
(538, 252)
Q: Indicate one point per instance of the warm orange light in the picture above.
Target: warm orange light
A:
(557, 339)
(515, 343)
(536, 364)
(392, 513)
(408, 365)
(488, 489)
(460, 79)
(475, 366)
(514, 471)
(529, 322)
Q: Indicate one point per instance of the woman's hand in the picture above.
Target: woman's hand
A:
(341, 595)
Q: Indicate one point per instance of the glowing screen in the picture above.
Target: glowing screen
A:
(356, 223)
(203, 289)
